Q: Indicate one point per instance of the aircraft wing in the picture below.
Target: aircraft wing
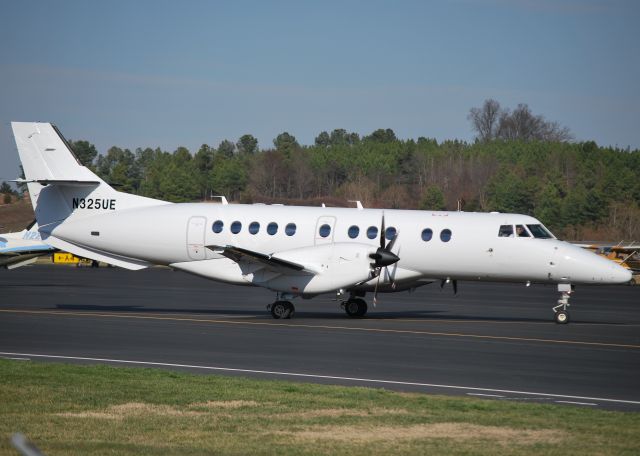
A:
(15, 261)
(20, 249)
(270, 262)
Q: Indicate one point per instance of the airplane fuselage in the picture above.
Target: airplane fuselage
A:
(432, 245)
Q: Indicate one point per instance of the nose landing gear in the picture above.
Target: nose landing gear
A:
(561, 313)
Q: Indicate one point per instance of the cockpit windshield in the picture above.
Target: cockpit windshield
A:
(539, 232)
(535, 230)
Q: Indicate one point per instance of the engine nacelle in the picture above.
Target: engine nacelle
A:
(336, 266)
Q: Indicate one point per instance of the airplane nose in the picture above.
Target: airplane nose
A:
(621, 275)
(583, 266)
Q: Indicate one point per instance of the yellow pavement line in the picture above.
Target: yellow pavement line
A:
(293, 325)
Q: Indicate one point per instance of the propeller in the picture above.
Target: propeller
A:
(383, 257)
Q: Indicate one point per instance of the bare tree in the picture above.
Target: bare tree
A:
(484, 120)
(554, 132)
(492, 122)
(520, 124)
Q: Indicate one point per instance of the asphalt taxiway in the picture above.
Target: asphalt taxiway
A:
(491, 340)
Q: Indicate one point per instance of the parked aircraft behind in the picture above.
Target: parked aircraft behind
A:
(23, 247)
(292, 250)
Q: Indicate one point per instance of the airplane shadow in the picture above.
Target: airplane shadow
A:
(146, 309)
(337, 315)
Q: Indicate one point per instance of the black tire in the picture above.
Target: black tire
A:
(355, 307)
(362, 307)
(279, 309)
(290, 308)
(562, 317)
(351, 307)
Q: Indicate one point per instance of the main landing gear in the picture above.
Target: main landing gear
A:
(561, 313)
(355, 307)
(282, 309)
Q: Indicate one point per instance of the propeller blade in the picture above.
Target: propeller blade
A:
(375, 291)
(382, 233)
(455, 287)
(392, 276)
(392, 241)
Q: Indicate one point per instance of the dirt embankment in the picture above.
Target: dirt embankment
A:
(16, 216)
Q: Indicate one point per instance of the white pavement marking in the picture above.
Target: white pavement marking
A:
(576, 403)
(323, 377)
(15, 358)
(484, 395)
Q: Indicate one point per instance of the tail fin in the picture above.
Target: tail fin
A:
(47, 157)
(61, 188)
(59, 185)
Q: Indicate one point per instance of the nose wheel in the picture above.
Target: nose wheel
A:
(562, 317)
(561, 313)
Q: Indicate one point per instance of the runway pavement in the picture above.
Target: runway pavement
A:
(491, 340)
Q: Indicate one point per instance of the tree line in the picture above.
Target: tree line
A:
(519, 163)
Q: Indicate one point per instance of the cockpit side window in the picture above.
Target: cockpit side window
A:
(539, 232)
(505, 231)
(521, 231)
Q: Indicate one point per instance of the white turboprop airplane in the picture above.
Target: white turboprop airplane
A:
(294, 251)
(22, 247)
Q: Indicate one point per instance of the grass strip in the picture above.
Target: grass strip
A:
(103, 410)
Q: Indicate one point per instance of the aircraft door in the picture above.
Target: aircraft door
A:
(195, 238)
(554, 263)
(324, 230)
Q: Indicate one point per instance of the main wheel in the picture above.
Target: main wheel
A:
(562, 317)
(281, 309)
(362, 307)
(290, 308)
(351, 308)
(355, 307)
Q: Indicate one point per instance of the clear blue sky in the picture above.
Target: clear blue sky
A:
(166, 73)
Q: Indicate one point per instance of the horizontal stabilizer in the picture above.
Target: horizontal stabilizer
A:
(67, 183)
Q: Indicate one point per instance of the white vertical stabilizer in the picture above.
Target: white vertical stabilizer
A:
(46, 156)
(62, 190)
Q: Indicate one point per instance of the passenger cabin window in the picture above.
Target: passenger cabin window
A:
(445, 235)
(290, 229)
(353, 232)
(325, 230)
(236, 227)
(272, 228)
(427, 234)
(217, 226)
(505, 231)
(254, 227)
(539, 232)
(390, 233)
(372, 232)
(521, 231)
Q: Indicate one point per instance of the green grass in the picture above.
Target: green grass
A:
(67, 409)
